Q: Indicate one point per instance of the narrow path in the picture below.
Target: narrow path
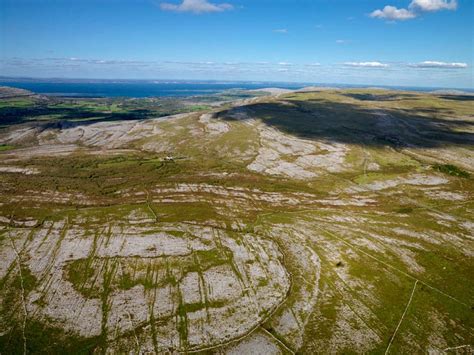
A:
(401, 319)
(149, 205)
(278, 341)
(468, 346)
(23, 302)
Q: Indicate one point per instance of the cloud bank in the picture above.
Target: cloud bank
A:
(366, 64)
(427, 73)
(435, 64)
(196, 6)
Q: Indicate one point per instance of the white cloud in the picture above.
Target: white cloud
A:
(434, 5)
(196, 6)
(341, 41)
(392, 13)
(284, 63)
(366, 64)
(435, 64)
(281, 30)
(414, 9)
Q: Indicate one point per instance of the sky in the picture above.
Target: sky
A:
(425, 43)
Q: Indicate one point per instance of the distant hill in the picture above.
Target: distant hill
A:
(452, 92)
(9, 92)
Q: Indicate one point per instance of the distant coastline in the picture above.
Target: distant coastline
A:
(171, 88)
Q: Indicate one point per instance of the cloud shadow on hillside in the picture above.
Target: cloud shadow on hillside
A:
(331, 121)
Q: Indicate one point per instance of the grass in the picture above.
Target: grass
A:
(407, 209)
(12, 103)
(46, 339)
(5, 147)
(451, 170)
(372, 177)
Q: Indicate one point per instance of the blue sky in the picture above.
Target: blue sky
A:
(376, 42)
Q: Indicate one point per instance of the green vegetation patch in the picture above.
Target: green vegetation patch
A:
(451, 170)
(404, 210)
(45, 339)
(4, 147)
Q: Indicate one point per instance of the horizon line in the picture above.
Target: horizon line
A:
(2, 77)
